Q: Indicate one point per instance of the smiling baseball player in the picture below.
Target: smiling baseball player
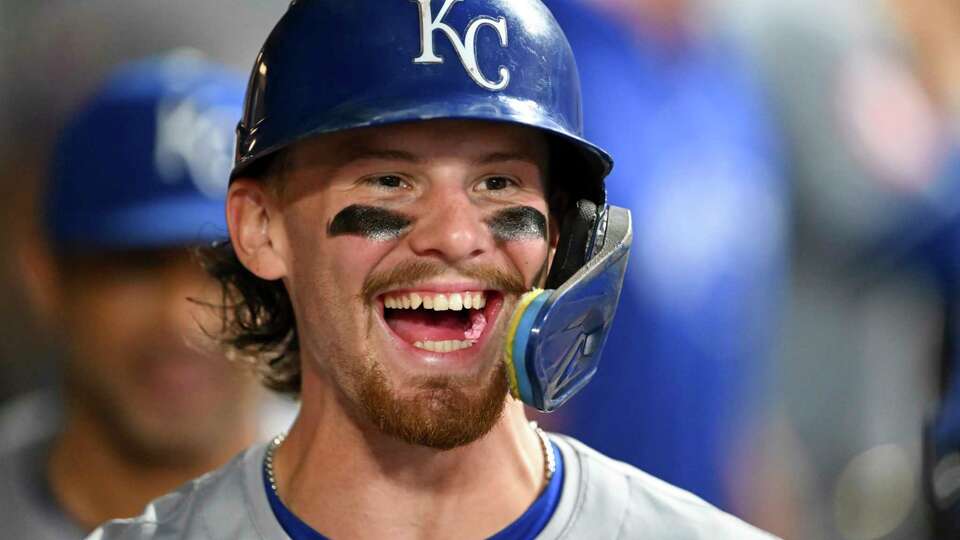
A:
(420, 244)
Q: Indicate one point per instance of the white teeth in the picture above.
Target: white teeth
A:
(444, 346)
(437, 302)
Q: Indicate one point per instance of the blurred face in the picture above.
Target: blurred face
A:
(139, 361)
(406, 248)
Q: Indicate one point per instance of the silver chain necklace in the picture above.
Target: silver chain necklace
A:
(549, 463)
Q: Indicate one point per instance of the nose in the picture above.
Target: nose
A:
(451, 228)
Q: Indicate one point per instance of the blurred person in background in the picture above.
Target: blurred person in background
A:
(931, 29)
(138, 176)
(868, 96)
(54, 54)
(686, 379)
(938, 255)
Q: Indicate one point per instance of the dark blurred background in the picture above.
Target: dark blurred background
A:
(789, 318)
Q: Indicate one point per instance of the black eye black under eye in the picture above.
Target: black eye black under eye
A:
(518, 223)
(378, 224)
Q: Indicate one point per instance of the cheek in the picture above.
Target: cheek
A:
(529, 256)
(325, 288)
(334, 253)
(327, 279)
(523, 234)
(350, 259)
(108, 327)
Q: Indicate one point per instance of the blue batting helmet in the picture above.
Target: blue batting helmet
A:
(330, 66)
(145, 163)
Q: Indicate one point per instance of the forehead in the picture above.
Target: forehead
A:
(471, 140)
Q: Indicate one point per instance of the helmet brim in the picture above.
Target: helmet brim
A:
(584, 164)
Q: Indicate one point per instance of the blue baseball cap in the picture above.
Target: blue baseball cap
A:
(146, 162)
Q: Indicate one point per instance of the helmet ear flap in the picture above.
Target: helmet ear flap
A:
(576, 230)
(556, 335)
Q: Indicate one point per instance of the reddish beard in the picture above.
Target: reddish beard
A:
(440, 414)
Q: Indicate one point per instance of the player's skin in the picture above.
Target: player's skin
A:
(148, 406)
(338, 470)
(932, 28)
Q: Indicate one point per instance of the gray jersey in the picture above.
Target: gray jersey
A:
(601, 498)
(28, 426)
(29, 508)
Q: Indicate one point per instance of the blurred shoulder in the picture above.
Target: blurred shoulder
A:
(30, 417)
(604, 494)
(214, 506)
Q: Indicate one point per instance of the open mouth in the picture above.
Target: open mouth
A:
(441, 322)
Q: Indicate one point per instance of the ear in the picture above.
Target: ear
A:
(40, 279)
(256, 230)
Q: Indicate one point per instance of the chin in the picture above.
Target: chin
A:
(184, 433)
(439, 411)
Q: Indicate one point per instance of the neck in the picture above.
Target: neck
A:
(349, 480)
(96, 479)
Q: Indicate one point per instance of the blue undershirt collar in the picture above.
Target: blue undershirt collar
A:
(526, 527)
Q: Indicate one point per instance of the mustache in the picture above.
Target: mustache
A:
(412, 273)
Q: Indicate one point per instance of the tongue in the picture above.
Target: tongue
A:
(421, 325)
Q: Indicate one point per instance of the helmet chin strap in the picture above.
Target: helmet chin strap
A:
(556, 335)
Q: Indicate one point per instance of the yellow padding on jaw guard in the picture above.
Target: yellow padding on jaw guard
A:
(511, 337)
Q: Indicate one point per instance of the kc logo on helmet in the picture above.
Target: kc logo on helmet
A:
(466, 48)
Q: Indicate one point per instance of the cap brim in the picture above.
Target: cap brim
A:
(170, 222)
